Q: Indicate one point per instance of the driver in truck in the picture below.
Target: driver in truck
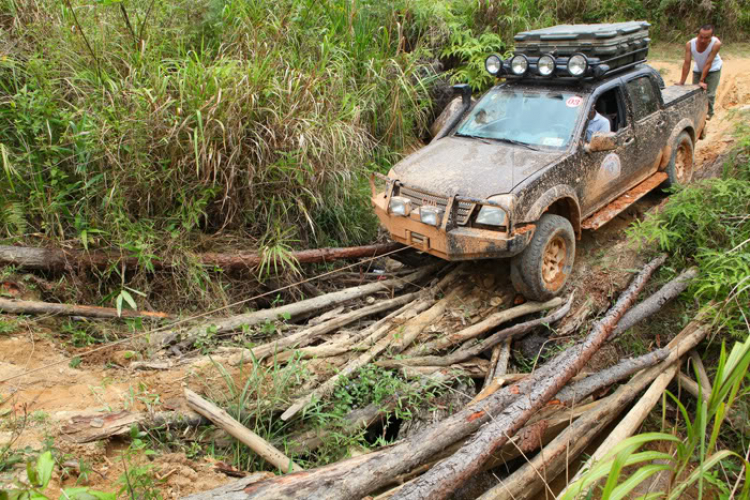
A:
(597, 123)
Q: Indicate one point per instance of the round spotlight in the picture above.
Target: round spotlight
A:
(519, 65)
(493, 65)
(577, 65)
(546, 65)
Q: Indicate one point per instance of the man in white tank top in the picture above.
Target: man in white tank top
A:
(707, 70)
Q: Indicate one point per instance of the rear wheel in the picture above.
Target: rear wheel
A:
(542, 270)
(680, 167)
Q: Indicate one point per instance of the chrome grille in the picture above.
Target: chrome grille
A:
(417, 199)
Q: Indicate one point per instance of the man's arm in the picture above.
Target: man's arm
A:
(709, 61)
(686, 64)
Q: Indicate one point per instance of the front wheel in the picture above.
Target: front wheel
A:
(542, 270)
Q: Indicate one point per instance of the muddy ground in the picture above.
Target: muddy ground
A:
(604, 262)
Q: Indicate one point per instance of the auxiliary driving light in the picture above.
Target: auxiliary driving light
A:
(519, 65)
(493, 64)
(431, 215)
(577, 65)
(546, 65)
(400, 206)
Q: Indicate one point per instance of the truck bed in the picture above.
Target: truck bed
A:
(676, 93)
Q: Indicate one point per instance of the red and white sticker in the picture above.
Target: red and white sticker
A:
(574, 102)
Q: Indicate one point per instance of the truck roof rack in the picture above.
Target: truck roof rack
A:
(574, 52)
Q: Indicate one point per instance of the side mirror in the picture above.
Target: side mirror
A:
(602, 141)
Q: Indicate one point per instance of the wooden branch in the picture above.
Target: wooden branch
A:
(256, 443)
(473, 347)
(655, 302)
(305, 308)
(488, 324)
(29, 307)
(498, 362)
(58, 260)
(446, 476)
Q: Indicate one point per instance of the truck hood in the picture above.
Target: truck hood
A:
(470, 167)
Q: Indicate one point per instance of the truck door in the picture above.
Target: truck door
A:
(607, 171)
(648, 124)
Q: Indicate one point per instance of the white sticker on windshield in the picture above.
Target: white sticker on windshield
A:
(610, 168)
(552, 141)
(574, 102)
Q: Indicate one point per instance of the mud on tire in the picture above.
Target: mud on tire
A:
(680, 167)
(541, 271)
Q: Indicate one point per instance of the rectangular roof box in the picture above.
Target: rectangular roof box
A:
(603, 41)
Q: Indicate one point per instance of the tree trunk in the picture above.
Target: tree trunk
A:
(28, 307)
(58, 260)
(449, 474)
(88, 428)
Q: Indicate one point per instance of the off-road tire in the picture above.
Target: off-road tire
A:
(542, 270)
(680, 167)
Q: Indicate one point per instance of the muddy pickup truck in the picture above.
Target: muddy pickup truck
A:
(520, 173)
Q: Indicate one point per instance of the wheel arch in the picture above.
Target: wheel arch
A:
(684, 125)
(560, 200)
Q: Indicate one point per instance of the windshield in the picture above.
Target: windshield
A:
(536, 119)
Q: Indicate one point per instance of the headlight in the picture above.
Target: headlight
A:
(546, 65)
(519, 65)
(493, 65)
(431, 215)
(400, 206)
(492, 216)
(577, 65)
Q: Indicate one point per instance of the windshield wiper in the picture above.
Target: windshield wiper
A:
(517, 143)
(479, 138)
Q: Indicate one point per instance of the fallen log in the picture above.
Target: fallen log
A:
(59, 260)
(656, 301)
(487, 324)
(303, 308)
(473, 347)
(358, 476)
(88, 428)
(256, 443)
(575, 393)
(531, 478)
(446, 476)
(231, 491)
(33, 307)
